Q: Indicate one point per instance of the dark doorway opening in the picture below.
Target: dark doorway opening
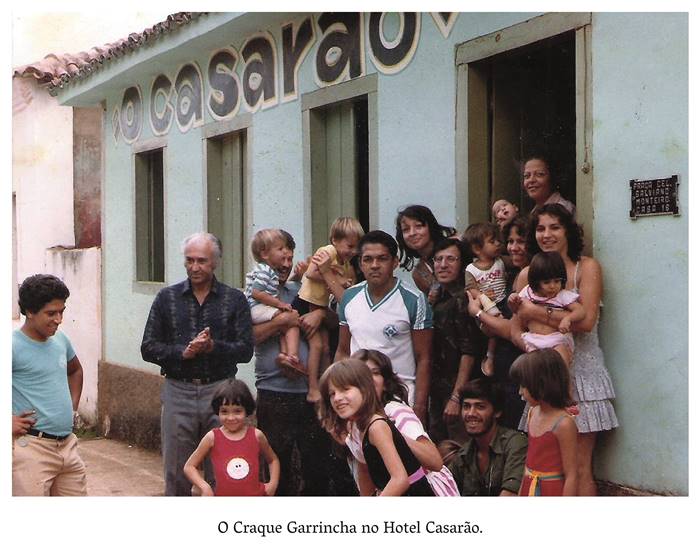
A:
(531, 94)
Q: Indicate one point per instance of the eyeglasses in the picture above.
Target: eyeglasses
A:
(445, 259)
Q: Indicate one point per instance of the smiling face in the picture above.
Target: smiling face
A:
(346, 248)
(275, 255)
(550, 234)
(447, 263)
(232, 417)
(346, 402)
(479, 416)
(504, 212)
(536, 180)
(416, 235)
(44, 323)
(517, 247)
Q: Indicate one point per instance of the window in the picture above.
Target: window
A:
(226, 171)
(149, 204)
(524, 90)
(340, 151)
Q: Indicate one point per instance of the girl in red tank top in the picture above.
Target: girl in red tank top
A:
(550, 467)
(234, 448)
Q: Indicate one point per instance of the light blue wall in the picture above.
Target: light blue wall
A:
(640, 130)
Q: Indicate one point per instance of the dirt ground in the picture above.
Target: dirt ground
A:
(116, 468)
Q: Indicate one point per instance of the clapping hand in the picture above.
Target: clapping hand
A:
(201, 344)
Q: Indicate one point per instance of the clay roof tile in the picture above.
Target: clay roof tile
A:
(56, 70)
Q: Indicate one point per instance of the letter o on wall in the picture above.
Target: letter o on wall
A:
(392, 56)
(131, 114)
(161, 118)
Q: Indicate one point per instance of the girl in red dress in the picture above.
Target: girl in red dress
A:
(550, 468)
(234, 448)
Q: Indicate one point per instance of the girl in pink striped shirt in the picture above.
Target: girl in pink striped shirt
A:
(393, 394)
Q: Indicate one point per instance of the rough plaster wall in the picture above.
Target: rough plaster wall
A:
(42, 174)
(80, 270)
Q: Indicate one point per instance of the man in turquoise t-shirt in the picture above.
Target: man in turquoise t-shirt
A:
(47, 380)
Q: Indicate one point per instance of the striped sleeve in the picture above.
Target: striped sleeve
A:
(347, 298)
(442, 482)
(405, 420)
(419, 311)
(266, 279)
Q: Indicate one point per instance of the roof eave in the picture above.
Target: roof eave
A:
(115, 73)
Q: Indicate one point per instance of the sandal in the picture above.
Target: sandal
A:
(292, 365)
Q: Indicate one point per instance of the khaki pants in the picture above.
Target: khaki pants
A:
(47, 467)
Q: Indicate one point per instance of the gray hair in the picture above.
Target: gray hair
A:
(213, 240)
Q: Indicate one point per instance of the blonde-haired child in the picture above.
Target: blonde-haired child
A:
(329, 272)
(269, 248)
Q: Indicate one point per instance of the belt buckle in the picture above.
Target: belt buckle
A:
(197, 382)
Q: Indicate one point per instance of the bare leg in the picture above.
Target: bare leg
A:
(586, 483)
(288, 358)
(487, 367)
(283, 344)
(291, 337)
(313, 363)
(326, 353)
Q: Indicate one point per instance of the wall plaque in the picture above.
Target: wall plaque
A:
(654, 196)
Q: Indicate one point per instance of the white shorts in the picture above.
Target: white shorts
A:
(261, 313)
(536, 341)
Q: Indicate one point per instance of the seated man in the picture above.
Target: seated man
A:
(47, 380)
(492, 461)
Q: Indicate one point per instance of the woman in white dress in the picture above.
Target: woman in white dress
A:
(552, 229)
